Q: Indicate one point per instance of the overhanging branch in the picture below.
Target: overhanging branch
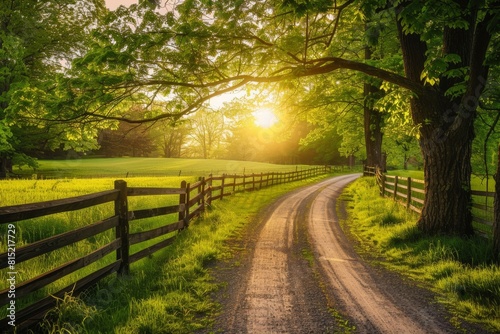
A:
(225, 85)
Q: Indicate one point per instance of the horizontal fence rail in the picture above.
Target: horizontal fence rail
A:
(192, 200)
(410, 192)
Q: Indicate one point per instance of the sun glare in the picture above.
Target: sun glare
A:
(264, 117)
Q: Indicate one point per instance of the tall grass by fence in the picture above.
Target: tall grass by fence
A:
(193, 198)
(410, 192)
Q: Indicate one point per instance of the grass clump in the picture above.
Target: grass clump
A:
(460, 270)
(71, 315)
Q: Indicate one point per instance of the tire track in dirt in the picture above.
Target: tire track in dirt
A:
(275, 290)
(369, 301)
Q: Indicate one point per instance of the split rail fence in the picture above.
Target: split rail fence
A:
(411, 193)
(193, 198)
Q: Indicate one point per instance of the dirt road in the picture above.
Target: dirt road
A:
(297, 264)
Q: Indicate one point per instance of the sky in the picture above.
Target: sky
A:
(113, 4)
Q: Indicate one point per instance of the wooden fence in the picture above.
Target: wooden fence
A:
(410, 192)
(192, 200)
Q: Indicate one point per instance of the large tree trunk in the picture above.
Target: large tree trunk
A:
(372, 121)
(5, 167)
(373, 129)
(496, 223)
(446, 128)
(447, 171)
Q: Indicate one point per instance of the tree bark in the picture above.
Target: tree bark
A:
(372, 121)
(447, 171)
(496, 224)
(446, 134)
(5, 167)
(373, 128)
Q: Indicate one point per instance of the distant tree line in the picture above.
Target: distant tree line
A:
(207, 135)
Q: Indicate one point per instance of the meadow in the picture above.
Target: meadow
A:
(13, 192)
(478, 182)
(132, 304)
(134, 167)
(33, 189)
(171, 290)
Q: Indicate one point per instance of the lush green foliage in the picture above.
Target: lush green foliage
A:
(165, 59)
(461, 271)
(37, 44)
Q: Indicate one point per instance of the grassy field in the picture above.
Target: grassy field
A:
(133, 167)
(477, 182)
(14, 192)
(461, 271)
(105, 298)
(170, 292)
(167, 293)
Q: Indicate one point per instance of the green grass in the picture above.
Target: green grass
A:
(415, 174)
(122, 167)
(461, 271)
(180, 269)
(171, 291)
(14, 192)
(477, 182)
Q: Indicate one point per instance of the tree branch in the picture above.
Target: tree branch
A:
(329, 64)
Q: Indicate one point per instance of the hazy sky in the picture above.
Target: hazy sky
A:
(113, 4)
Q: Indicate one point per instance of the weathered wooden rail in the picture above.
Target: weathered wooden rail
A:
(192, 200)
(410, 192)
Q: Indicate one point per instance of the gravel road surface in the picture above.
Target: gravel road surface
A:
(295, 265)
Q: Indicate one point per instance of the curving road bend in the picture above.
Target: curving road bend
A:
(275, 290)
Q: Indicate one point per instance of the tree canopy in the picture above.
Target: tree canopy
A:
(423, 64)
(38, 42)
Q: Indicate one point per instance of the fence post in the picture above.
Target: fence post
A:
(209, 190)
(202, 190)
(408, 195)
(253, 181)
(396, 187)
(188, 196)
(121, 210)
(234, 184)
(222, 186)
(383, 184)
(182, 202)
(496, 212)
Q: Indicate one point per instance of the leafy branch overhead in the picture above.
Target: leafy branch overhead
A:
(425, 64)
(193, 53)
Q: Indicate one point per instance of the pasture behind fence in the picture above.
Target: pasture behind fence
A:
(193, 198)
(410, 192)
